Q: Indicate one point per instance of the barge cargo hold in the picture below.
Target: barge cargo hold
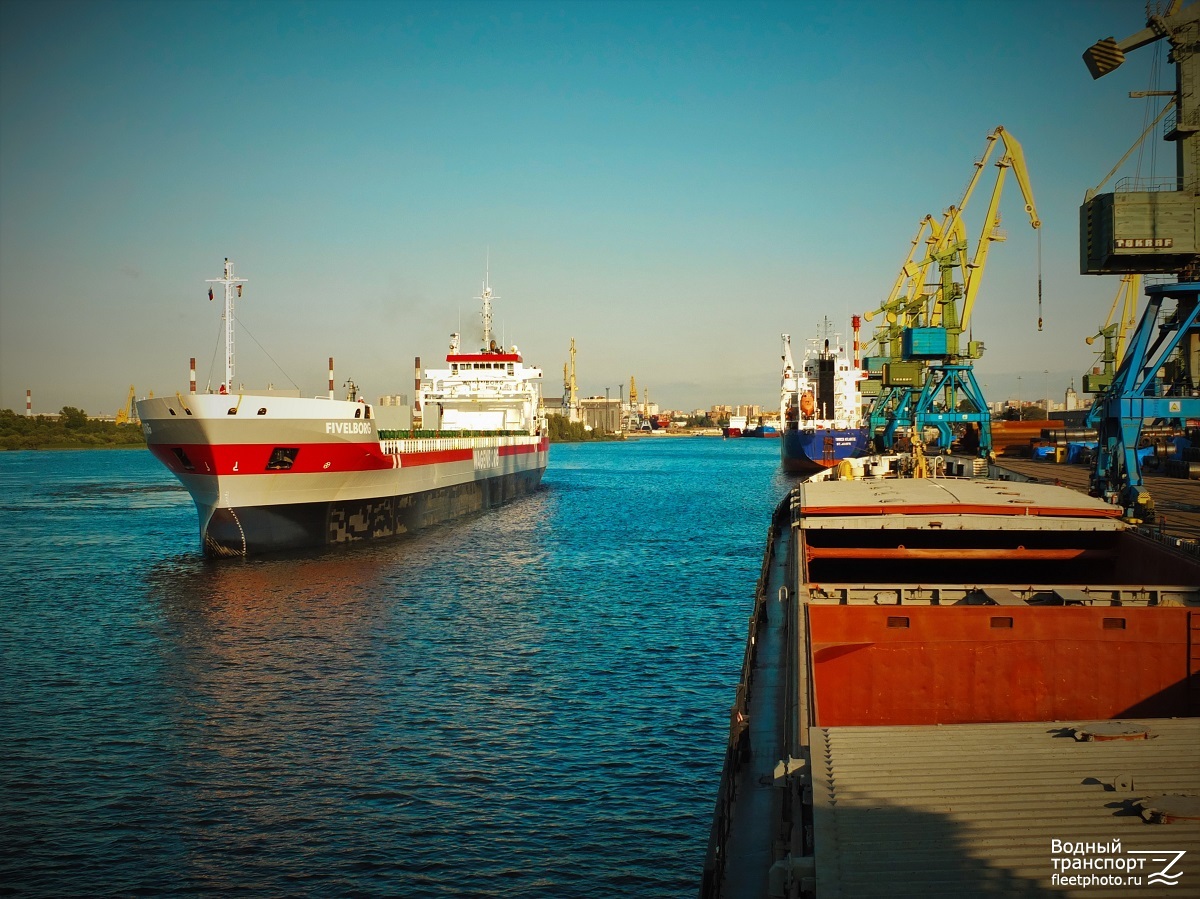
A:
(949, 680)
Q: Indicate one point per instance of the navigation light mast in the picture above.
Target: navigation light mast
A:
(231, 283)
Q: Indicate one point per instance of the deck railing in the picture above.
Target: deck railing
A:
(1179, 544)
(737, 747)
(406, 445)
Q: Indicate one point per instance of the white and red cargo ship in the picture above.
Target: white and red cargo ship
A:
(272, 470)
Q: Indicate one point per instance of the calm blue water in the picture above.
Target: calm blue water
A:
(533, 702)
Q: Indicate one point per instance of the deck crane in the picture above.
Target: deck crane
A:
(929, 319)
(1114, 335)
(1141, 230)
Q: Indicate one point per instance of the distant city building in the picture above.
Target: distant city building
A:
(601, 414)
(1071, 400)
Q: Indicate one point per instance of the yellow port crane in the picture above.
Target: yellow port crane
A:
(923, 319)
(1114, 334)
(946, 245)
(570, 398)
(127, 412)
(913, 301)
(1014, 158)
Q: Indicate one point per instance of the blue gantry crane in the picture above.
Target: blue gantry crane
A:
(1150, 227)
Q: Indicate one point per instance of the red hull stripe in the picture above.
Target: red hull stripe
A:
(527, 448)
(253, 458)
(408, 460)
(484, 357)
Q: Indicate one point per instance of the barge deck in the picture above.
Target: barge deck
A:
(934, 670)
(1177, 500)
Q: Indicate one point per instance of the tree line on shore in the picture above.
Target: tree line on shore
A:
(70, 429)
(561, 430)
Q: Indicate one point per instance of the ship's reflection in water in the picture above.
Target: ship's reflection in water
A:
(313, 700)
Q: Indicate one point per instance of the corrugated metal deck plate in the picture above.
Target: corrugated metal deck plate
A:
(962, 810)
(836, 504)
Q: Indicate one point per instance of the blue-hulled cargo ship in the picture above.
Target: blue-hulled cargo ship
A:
(820, 406)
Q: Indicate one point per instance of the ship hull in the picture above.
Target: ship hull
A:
(253, 530)
(805, 451)
(307, 473)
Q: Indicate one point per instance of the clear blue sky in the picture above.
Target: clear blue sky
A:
(671, 184)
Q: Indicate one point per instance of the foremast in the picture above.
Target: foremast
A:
(486, 296)
(788, 400)
(231, 283)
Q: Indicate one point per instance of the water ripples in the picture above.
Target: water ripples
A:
(531, 702)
